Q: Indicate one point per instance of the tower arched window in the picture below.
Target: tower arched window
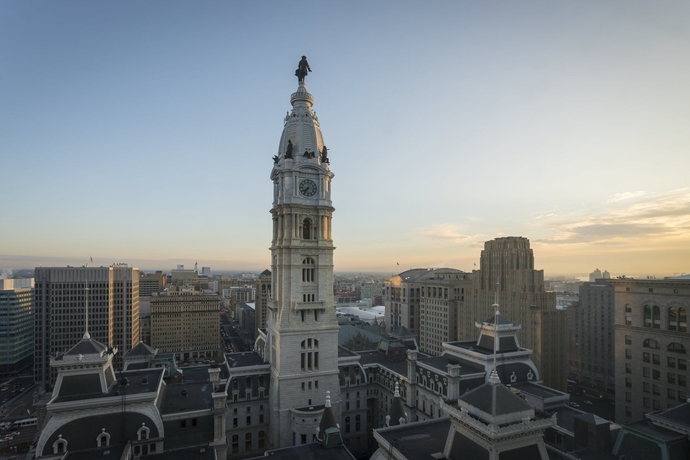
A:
(672, 319)
(647, 316)
(309, 355)
(308, 270)
(307, 229)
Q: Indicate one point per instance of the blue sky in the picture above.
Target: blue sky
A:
(143, 132)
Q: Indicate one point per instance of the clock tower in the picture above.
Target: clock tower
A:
(302, 329)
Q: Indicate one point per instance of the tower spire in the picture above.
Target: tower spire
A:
(494, 379)
(86, 305)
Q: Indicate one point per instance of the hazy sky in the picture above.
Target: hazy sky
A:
(143, 132)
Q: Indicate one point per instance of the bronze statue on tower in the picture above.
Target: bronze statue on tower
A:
(302, 69)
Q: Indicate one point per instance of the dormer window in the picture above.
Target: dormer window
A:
(144, 432)
(60, 445)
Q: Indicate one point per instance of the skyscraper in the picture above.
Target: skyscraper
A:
(59, 311)
(507, 267)
(302, 329)
(16, 325)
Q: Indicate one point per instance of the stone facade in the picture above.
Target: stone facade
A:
(302, 330)
(651, 345)
(185, 322)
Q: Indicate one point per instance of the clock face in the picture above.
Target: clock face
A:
(307, 187)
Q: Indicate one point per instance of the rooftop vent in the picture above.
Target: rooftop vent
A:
(184, 393)
(144, 381)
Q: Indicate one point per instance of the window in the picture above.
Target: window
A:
(310, 355)
(358, 423)
(645, 356)
(656, 374)
(308, 272)
(261, 439)
(656, 359)
(672, 319)
(656, 390)
(656, 316)
(628, 382)
(676, 347)
(647, 316)
(646, 402)
(306, 232)
(671, 378)
(646, 387)
(183, 423)
(143, 432)
(671, 393)
(347, 424)
(628, 396)
(682, 364)
(682, 320)
(682, 380)
(628, 368)
(628, 340)
(248, 442)
(651, 343)
(646, 372)
(656, 404)
(671, 362)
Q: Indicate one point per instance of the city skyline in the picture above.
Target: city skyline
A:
(143, 133)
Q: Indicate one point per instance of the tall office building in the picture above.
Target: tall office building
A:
(186, 322)
(302, 329)
(591, 347)
(426, 301)
(150, 283)
(16, 325)
(263, 293)
(59, 311)
(507, 267)
(652, 345)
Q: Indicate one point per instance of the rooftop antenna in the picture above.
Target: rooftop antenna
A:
(494, 375)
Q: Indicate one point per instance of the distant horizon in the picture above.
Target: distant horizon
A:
(157, 266)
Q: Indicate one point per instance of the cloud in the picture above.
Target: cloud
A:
(625, 196)
(661, 217)
(445, 232)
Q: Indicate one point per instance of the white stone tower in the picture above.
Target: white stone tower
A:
(302, 329)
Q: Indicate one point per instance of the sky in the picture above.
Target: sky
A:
(143, 132)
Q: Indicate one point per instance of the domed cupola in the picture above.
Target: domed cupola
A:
(301, 140)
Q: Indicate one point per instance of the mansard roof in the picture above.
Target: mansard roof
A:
(86, 346)
(141, 350)
(497, 319)
(495, 401)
